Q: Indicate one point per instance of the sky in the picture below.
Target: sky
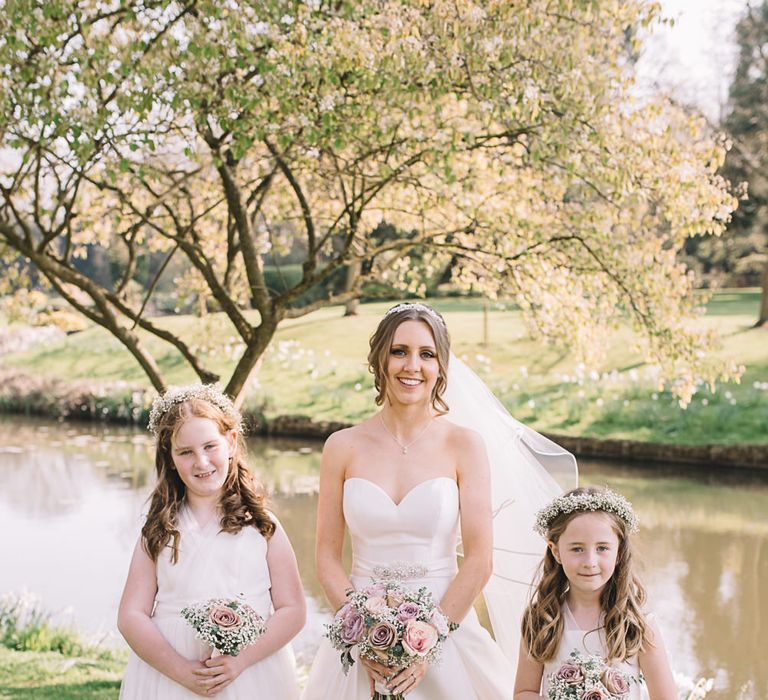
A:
(694, 58)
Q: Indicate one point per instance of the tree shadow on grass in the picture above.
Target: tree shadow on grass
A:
(91, 690)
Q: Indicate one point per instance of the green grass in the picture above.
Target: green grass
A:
(316, 366)
(32, 675)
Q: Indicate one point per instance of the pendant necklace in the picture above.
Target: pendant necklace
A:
(404, 448)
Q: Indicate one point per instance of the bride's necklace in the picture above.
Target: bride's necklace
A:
(405, 447)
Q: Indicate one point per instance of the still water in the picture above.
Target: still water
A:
(71, 499)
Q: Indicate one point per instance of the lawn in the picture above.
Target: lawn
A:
(34, 675)
(316, 366)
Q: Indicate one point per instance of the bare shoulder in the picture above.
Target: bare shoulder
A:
(464, 440)
(341, 447)
(348, 438)
(468, 448)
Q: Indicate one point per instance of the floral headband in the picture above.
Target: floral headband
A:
(211, 393)
(607, 500)
(417, 307)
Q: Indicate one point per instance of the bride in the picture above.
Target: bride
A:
(405, 483)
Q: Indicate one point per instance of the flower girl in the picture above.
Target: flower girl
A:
(585, 633)
(208, 535)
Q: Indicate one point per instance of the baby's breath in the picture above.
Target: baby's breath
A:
(607, 500)
(178, 394)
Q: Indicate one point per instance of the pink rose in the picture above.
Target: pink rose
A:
(343, 611)
(419, 637)
(352, 627)
(395, 598)
(375, 590)
(224, 617)
(615, 681)
(382, 638)
(407, 611)
(570, 673)
(376, 605)
(438, 621)
(593, 694)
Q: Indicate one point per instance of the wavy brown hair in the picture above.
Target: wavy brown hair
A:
(240, 503)
(622, 598)
(381, 344)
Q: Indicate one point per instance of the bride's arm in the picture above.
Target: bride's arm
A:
(473, 477)
(330, 520)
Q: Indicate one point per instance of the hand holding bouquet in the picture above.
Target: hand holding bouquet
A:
(587, 678)
(391, 624)
(227, 625)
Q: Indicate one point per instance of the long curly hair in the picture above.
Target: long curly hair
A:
(622, 598)
(381, 344)
(240, 503)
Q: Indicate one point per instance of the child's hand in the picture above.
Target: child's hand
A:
(190, 678)
(218, 672)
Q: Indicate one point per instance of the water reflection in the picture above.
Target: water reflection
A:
(71, 502)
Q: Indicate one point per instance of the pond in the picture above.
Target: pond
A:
(72, 497)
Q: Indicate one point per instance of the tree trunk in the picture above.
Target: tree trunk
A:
(353, 272)
(763, 318)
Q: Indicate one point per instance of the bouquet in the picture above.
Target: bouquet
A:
(227, 625)
(588, 678)
(391, 624)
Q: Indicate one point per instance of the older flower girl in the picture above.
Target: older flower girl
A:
(207, 535)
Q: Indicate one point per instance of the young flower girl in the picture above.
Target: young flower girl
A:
(589, 603)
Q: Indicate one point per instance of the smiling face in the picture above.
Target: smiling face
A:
(587, 550)
(200, 454)
(412, 368)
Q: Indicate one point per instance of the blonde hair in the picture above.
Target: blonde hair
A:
(240, 503)
(381, 344)
(622, 598)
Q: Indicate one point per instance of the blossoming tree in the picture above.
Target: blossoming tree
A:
(501, 136)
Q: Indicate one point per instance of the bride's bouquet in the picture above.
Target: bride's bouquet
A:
(391, 624)
(588, 678)
(227, 625)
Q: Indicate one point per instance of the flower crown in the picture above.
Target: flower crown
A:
(211, 393)
(417, 307)
(606, 500)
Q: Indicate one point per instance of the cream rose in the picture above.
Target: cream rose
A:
(376, 605)
(439, 622)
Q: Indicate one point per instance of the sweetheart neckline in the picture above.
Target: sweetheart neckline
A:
(408, 493)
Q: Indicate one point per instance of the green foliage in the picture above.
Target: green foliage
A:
(497, 139)
(26, 626)
(741, 255)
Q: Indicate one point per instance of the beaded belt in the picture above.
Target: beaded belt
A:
(404, 570)
(400, 570)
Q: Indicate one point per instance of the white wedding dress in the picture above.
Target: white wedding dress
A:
(416, 539)
(212, 564)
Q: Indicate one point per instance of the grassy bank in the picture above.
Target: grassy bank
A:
(40, 659)
(316, 366)
(35, 675)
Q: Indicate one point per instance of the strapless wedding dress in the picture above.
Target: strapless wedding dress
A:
(414, 540)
